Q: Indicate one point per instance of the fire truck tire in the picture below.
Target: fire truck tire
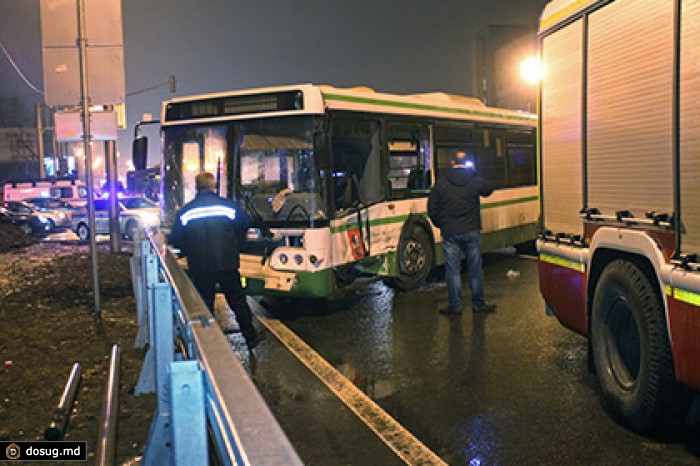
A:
(415, 258)
(632, 354)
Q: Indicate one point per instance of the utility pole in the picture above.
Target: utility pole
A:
(40, 139)
(85, 100)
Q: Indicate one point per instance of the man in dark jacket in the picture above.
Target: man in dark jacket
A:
(453, 206)
(209, 231)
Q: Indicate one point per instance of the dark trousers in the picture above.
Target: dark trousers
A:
(470, 245)
(230, 283)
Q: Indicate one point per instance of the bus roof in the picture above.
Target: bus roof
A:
(558, 11)
(317, 99)
(437, 104)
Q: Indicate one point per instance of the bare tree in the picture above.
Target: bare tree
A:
(18, 154)
(14, 113)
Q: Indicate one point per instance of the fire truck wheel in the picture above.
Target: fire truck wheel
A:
(631, 351)
(415, 260)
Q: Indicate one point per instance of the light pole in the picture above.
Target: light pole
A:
(84, 97)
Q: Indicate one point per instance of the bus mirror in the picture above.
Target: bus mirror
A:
(139, 153)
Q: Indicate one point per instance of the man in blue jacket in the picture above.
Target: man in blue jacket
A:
(209, 230)
(454, 207)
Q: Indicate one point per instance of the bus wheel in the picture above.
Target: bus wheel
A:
(83, 232)
(415, 260)
(631, 351)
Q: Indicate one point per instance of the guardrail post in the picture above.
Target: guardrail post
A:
(141, 249)
(150, 279)
(189, 427)
(158, 447)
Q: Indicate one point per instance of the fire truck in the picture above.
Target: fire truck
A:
(620, 198)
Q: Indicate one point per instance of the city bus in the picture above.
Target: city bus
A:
(337, 179)
(620, 240)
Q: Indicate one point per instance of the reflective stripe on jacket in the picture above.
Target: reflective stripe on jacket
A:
(209, 230)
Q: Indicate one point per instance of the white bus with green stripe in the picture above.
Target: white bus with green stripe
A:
(340, 178)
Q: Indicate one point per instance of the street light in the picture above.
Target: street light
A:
(531, 70)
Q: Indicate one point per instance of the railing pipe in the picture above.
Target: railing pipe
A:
(107, 433)
(61, 415)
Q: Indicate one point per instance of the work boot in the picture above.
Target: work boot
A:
(449, 311)
(487, 307)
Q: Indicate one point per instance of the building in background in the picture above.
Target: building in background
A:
(500, 52)
(18, 154)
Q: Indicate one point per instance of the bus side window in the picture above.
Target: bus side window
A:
(490, 160)
(450, 139)
(521, 158)
(409, 160)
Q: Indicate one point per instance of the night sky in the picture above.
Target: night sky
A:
(401, 46)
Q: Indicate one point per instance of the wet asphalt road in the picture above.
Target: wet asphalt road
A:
(510, 388)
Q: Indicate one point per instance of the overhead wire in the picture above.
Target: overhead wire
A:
(39, 91)
(19, 71)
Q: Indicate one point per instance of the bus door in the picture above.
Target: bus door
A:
(357, 181)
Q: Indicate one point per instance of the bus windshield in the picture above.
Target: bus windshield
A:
(278, 169)
(270, 163)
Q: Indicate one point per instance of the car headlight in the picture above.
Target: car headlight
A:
(42, 219)
(149, 219)
(61, 215)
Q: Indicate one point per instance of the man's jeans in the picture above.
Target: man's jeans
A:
(454, 245)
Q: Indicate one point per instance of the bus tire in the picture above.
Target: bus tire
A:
(83, 232)
(415, 260)
(631, 352)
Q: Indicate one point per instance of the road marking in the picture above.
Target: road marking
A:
(394, 435)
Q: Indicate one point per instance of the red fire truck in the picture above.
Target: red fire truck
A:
(620, 197)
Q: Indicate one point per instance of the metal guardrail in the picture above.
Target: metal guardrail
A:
(208, 400)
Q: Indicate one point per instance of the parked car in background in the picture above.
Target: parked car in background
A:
(31, 224)
(44, 204)
(134, 213)
(56, 220)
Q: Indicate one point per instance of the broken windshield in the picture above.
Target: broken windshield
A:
(278, 169)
